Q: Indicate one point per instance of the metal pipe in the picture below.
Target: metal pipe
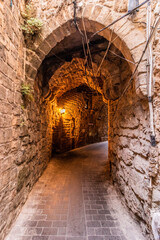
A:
(156, 23)
(150, 75)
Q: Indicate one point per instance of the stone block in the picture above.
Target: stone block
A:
(3, 93)
(30, 71)
(22, 177)
(96, 12)
(51, 39)
(2, 52)
(156, 225)
(33, 58)
(139, 185)
(156, 195)
(141, 164)
(131, 122)
(88, 10)
(44, 47)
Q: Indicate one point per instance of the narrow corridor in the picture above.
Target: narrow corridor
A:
(74, 200)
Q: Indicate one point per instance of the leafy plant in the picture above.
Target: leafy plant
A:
(22, 123)
(31, 24)
(27, 91)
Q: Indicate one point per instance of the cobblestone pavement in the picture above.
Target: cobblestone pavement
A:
(71, 201)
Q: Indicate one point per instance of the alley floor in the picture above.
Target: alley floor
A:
(75, 200)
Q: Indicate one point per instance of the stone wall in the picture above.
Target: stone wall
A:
(137, 175)
(25, 126)
(129, 150)
(11, 77)
(155, 167)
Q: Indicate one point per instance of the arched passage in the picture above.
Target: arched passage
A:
(66, 67)
(63, 69)
(121, 37)
(62, 39)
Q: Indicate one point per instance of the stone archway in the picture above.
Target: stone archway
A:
(124, 137)
(94, 19)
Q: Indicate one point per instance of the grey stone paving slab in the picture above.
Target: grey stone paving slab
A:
(71, 201)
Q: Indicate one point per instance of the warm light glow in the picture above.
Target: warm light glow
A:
(62, 111)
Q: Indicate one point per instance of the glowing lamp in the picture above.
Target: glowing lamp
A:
(62, 111)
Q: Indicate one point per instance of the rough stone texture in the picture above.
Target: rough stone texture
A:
(25, 137)
(26, 128)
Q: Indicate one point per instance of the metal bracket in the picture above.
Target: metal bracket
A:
(153, 141)
(150, 99)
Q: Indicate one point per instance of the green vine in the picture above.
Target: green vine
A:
(32, 25)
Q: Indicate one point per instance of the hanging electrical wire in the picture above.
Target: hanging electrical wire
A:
(106, 52)
(127, 60)
(146, 46)
(155, 26)
(83, 39)
(117, 20)
(109, 44)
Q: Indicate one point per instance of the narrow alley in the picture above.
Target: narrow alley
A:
(75, 200)
(80, 120)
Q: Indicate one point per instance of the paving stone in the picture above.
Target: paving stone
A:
(53, 217)
(107, 223)
(56, 238)
(23, 238)
(49, 231)
(59, 224)
(90, 231)
(91, 211)
(39, 217)
(62, 230)
(103, 212)
(95, 238)
(99, 217)
(116, 231)
(40, 238)
(33, 231)
(93, 224)
(29, 224)
(44, 224)
(103, 231)
(112, 238)
(96, 206)
(76, 238)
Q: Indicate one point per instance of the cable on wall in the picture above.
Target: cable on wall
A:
(117, 20)
(157, 21)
